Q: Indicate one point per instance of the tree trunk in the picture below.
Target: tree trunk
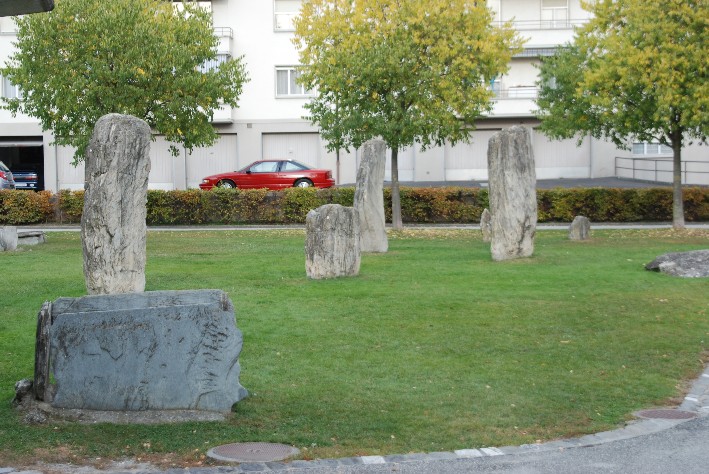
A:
(677, 201)
(396, 222)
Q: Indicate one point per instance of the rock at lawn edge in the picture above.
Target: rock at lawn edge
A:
(693, 264)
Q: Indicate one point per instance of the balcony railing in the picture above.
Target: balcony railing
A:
(517, 92)
(563, 24)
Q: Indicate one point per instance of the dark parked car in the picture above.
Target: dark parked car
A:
(26, 180)
(271, 174)
(6, 179)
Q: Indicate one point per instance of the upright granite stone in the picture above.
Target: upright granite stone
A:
(164, 350)
(113, 225)
(8, 238)
(580, 228)
(692, 264)
(332, 247)
(486, 225)
(369, 197)
(513, 195)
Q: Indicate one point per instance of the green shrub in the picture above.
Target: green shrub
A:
(418, 205)
(25, 207)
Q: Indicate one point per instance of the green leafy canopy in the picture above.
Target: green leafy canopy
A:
(637, 70)
(88, 58)
(408, 71)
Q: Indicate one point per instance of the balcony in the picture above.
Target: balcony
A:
(225, 35)
(514, 101)
(541, 33)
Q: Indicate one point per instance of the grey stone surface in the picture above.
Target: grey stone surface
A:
(513, 196)
(332, 247)
(31, 237)
(580, 228)
(369, 197)
(486, 225)
(23, 388)
(8, 238)
(113, 225)
(693, 264)
(166, 350)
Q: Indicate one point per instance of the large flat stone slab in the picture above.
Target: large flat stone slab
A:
(166, 350)
(693, 264)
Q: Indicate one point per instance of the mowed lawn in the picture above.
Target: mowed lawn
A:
(432, 347)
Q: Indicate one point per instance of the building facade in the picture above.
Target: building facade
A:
(269, 120)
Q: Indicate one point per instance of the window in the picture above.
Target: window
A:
(265, 167)
(555, 13)
(293, 166)
(645, 148)
(9, 90)
(286, 85)
(284, 12)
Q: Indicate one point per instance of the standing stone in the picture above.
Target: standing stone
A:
(8, 238)
(113, 225)
(513, 196)
(332, 247)
(486, 225)
(580, 228)
(369, 197)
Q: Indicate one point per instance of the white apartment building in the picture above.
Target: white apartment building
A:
(269, 120)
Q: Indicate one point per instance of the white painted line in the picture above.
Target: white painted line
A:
(469, 453)
(373, 460)
(705, 375)
(492, 451)
(691, 399)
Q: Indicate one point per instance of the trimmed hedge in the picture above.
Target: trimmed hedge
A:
(418, 205)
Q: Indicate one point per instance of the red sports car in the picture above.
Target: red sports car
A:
(271, 174)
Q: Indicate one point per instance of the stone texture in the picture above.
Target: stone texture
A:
(486, 225)
(31, 237)
(580, 228)
(8, 238)
(332, 247)
(693, 264)
(165, 350)
(369, 197)
(113, 225)
(513, 196)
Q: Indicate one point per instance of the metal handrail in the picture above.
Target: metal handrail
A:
(636, 167)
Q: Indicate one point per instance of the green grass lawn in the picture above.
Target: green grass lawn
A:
(432, 347)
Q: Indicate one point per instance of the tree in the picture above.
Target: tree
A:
(143, 58)
(636, 72)
(408, 71)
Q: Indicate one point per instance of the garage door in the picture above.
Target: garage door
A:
(303, 147)
(218, 158)
(466, 161)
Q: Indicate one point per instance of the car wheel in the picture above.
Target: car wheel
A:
(303, 183)
(226, 184)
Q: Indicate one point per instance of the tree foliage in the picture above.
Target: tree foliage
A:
(145, 58)
(636, 72)
(408, 71)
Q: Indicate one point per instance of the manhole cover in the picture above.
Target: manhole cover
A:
(666, 414)
(252, 452)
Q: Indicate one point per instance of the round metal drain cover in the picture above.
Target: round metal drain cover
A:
(252, 452)
(666, 414)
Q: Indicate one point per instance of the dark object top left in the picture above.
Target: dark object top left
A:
(22, 7)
